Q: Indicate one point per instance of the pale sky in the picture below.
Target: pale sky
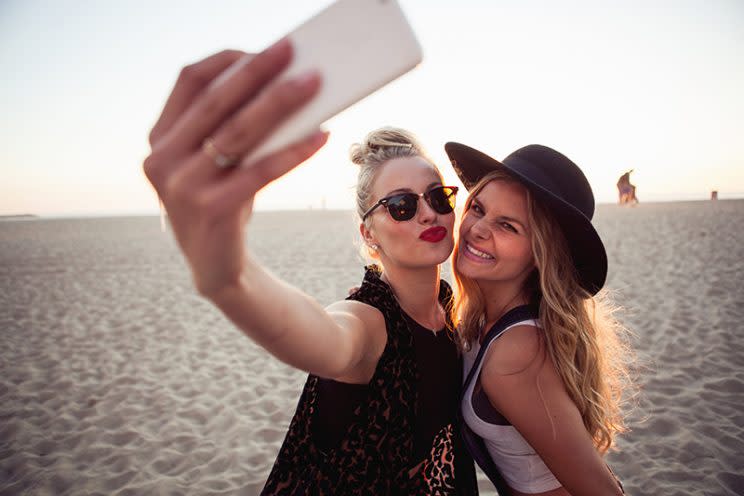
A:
(652, 85)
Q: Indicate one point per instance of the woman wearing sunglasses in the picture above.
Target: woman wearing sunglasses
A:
(545, 368)
(383, 421)
(376, 414)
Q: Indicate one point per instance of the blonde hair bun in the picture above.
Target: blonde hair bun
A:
(382, 144)
(377, 148)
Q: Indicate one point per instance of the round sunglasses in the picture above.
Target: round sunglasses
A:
(403, 206)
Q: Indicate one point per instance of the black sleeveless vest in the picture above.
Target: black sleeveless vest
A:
(375, 456)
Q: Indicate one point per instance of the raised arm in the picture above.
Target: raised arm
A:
(219, 110)
(522, 383)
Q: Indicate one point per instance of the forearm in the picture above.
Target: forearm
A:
(230, 102)
(285, 321)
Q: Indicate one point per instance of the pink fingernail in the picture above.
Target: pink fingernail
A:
(306, 79)
(320, 137)
(279, 46)
(231, 70)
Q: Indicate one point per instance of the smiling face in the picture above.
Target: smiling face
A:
(424, 240)
(494, 247)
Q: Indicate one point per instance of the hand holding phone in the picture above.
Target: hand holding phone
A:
(357, 46)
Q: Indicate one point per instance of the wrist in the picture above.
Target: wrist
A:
(238, 291)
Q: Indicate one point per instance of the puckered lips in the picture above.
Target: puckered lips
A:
(434, 234)
(476, 255)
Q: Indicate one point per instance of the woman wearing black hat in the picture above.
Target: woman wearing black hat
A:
(543, 358)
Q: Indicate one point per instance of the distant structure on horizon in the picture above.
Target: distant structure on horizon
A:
(714, 194)
(18, 217)
(626, 190)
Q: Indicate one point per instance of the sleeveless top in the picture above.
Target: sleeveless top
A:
(438, 392)
(519, 464)
(376, 454)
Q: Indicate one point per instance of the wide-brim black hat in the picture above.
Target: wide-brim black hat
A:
(559, 184)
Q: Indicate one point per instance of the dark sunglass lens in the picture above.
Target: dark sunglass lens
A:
(442, 200)
(402, 207)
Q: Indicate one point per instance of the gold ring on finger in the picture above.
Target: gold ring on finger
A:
(221, 160)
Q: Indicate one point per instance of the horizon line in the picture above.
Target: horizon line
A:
(155, 213)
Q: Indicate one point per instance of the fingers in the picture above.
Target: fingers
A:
(241, 134)
(244, 182)
(245, 130)
(223, 96)
(191, 81)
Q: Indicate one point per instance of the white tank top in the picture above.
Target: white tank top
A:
(521, 466)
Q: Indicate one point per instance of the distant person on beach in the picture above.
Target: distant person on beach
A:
(377, 414)
(543, 357)
(626, 191)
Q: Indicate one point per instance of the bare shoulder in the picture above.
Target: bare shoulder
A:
(361, 319)
(363, 335)
(367, 314)
(512, 369)
(519, 351)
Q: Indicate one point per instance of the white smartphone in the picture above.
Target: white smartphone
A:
(358, 46)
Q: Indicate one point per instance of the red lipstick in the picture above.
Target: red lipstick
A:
(434, 234)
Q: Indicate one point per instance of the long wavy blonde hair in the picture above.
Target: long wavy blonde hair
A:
(582, 337)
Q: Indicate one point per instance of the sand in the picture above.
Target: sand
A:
(116, 378)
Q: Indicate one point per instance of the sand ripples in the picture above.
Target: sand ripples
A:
(115, 378)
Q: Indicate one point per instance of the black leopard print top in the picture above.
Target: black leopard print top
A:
(376, 456)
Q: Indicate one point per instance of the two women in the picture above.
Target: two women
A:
(377, 413)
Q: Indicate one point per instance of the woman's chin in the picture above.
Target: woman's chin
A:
(472, 269)
(433, 258)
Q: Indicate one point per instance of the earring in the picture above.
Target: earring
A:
(375, 247)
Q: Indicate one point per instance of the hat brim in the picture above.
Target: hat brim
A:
(587, 250)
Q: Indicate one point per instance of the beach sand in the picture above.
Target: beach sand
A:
(116, 378)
